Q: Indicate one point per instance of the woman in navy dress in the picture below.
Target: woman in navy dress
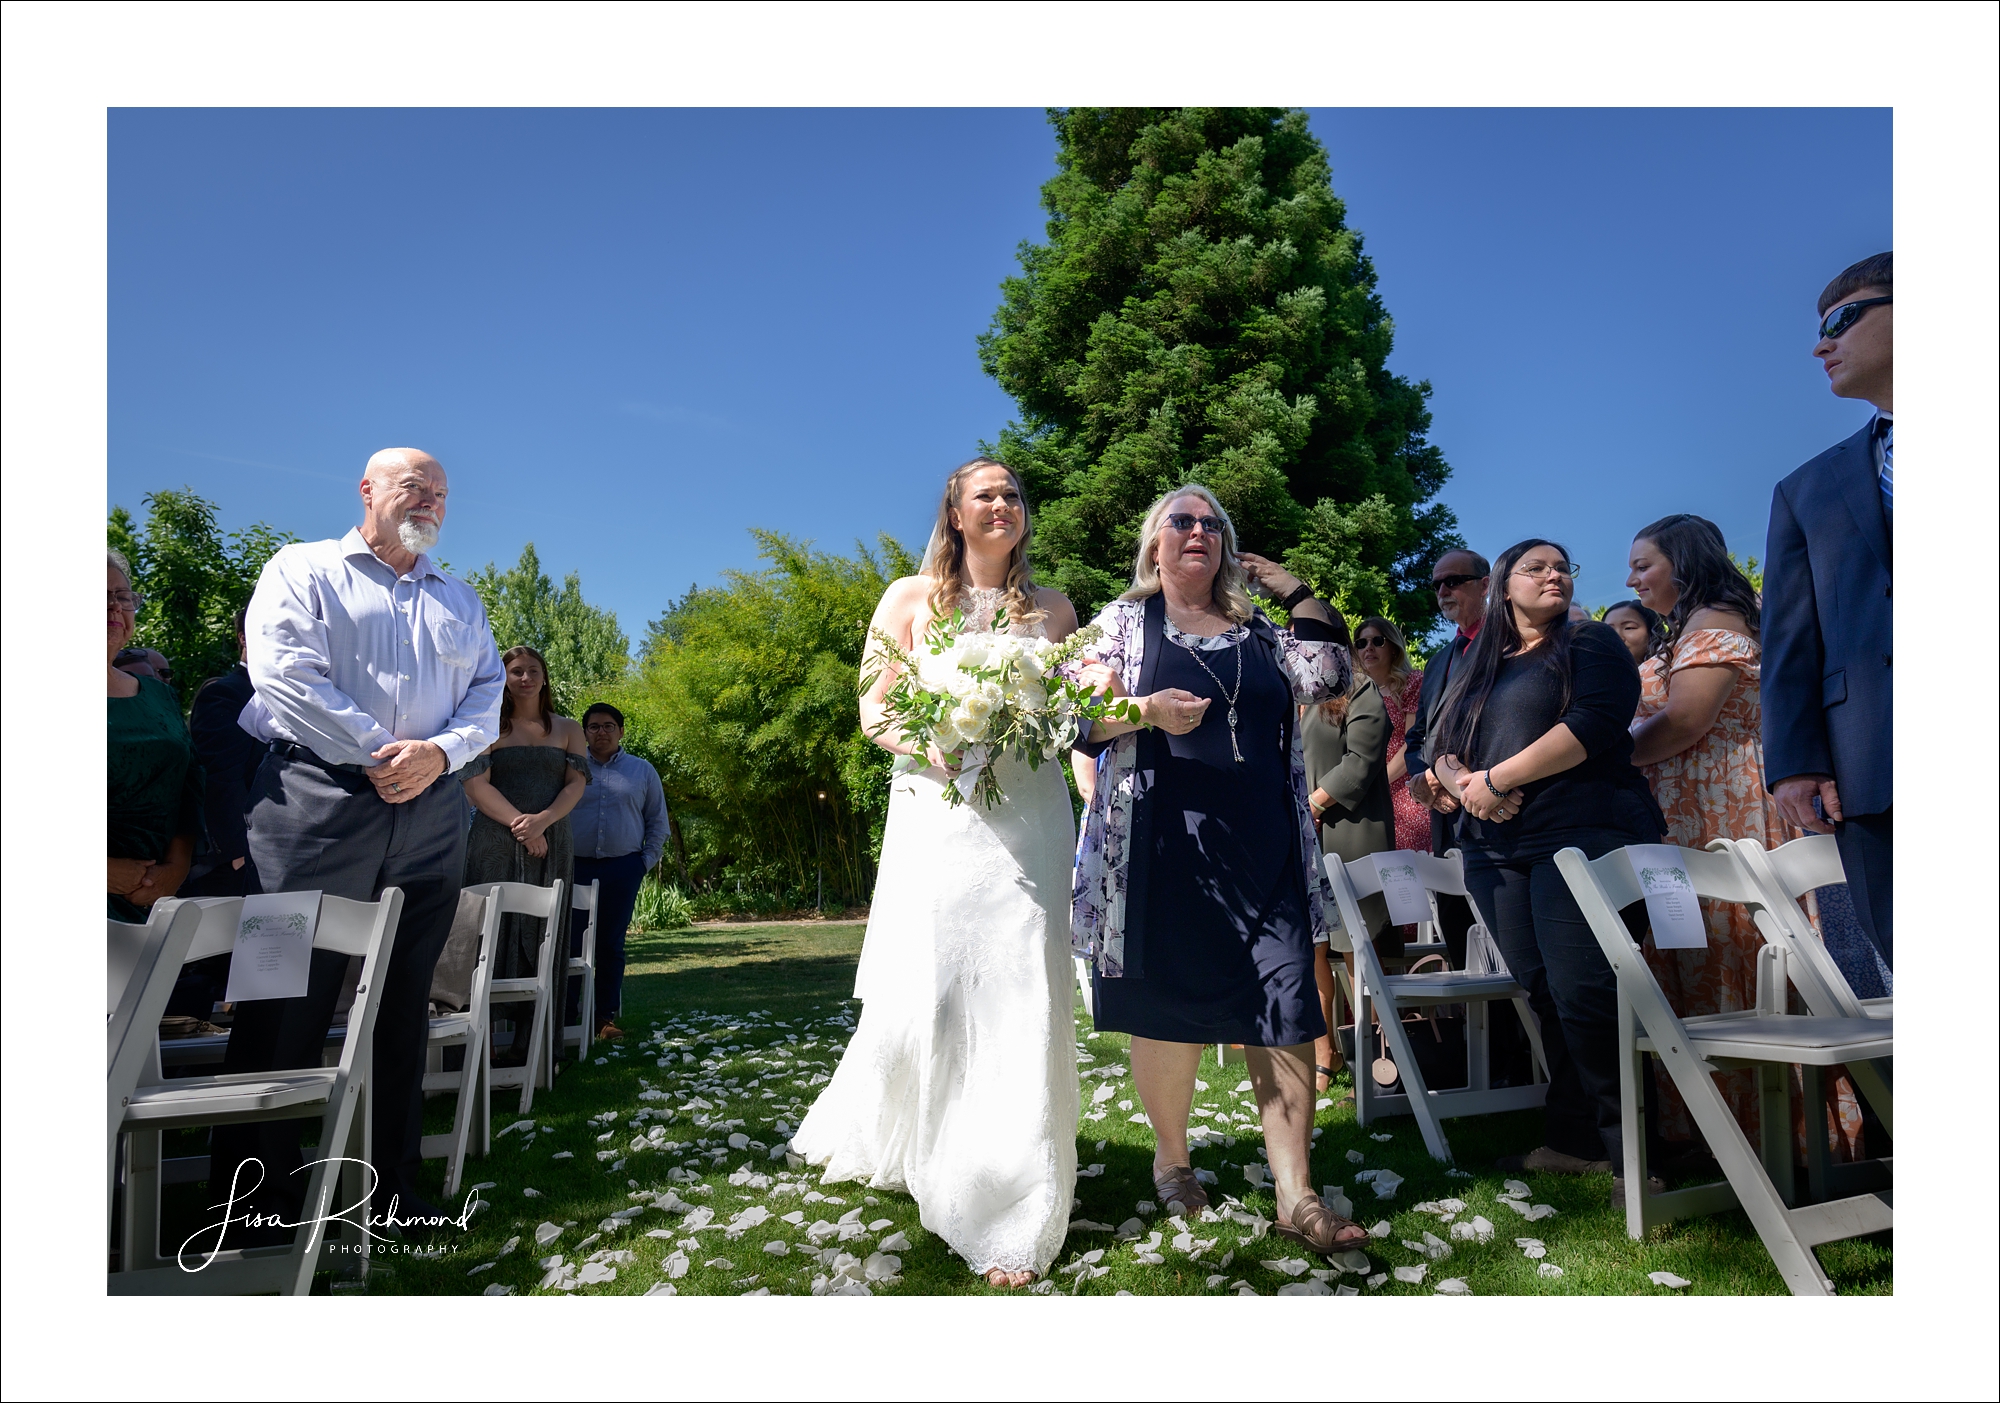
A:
(1198, 894)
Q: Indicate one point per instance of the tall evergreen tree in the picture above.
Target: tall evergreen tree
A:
(585, 648)
(1202, 311)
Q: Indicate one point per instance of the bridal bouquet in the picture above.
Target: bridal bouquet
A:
(984, 694)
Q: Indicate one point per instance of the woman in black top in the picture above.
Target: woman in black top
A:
(1532, 737)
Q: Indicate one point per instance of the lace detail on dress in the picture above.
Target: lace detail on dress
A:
(979, 607)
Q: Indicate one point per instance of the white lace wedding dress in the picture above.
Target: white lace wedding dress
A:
(960, 1083)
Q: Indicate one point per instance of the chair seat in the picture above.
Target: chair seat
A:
(201, 1099)
(1450, 986)
(1816, 1042)
(451, 1027)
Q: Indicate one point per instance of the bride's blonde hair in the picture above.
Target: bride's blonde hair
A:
(944, 557)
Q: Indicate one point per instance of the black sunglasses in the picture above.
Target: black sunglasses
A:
(1842, 317)
(1454, 581)
(1365, 644)
(1183, 521)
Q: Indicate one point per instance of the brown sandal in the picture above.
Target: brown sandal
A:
(1320, 1228)
(1179, 1191)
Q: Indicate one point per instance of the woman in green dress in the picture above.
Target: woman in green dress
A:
(523, 788)
(154, 791)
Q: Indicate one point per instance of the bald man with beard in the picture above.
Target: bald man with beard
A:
(376, 681)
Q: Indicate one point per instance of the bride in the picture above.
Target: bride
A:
(960, 1082)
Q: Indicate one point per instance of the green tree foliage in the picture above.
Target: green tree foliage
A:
(747, 703)
(586, 651)
(194, 578)
(1201, 310)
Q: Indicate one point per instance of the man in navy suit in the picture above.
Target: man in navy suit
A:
(1827, 622)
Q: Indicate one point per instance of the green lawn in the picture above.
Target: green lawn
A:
(724, 996)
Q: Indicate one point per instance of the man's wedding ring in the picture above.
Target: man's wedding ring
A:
(395, 789)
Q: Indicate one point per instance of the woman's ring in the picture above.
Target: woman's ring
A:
(395, 789)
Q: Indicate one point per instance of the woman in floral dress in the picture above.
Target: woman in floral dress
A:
(1379, 651)
(1697, 740)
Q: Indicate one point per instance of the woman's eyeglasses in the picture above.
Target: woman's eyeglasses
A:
(1541, 568)
(1183, 521)
(124, 599)
(1842, 317)
(1364, 644)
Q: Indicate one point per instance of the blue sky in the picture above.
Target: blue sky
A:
(632, 335)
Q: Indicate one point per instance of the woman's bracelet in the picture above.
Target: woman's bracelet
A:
(1487, 775)
(1291, 601)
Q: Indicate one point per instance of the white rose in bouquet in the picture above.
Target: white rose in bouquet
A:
(969, 726)
(974, 650)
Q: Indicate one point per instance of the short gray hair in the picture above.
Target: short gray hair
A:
(117, 561)
(1231, 590)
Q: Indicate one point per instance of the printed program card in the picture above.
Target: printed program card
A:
(274, 940)
(1402, 889)
(1670, 898)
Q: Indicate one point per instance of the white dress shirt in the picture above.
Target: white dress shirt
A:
(347, 655)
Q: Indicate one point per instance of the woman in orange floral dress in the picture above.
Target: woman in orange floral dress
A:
(1697, 739)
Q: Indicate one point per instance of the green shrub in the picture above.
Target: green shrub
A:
(661, 906)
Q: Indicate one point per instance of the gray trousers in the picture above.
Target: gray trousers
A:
(316, 827)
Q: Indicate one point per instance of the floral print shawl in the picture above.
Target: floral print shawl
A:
(1316, 671)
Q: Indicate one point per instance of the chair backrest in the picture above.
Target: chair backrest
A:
(583, 898)
(1602, 889)
(522, 899)
(1783, 923)
(143, 962)
(1805, 864)
(1439, 876)
(1717, 875)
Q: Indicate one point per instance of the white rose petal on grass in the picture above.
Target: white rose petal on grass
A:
(1539, 1212)
(483, 1266)
(1305, 1288)
(1548, 1269)
(895, 1242)
(1290, 1266)
(496, 1289)
(1376, 1280)
(1102, 1094)
(1354, 1260)
(1453, 1286)
(1381, 1229)
(546, 1234)
(480, 1188)
(1668, 1280)
(1514, 1188)
(509, 1246)
(662, 1289)
(676, 1265)
(597, 1273)
(531, 1193)
(1355, 1157)
(1410, 1276)
(779, 1248)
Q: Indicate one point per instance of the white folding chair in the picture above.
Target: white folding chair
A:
(339, 1093)
(538, 991)
(1382, 997)
(142, 963)
(1783, 874)
(585, 1033)
(1787, 872)
(466, 1029)
(1694, 1049)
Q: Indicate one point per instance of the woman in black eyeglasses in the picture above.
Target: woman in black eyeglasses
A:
(1532, 738)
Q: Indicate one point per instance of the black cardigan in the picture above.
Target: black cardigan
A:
(1605, 790)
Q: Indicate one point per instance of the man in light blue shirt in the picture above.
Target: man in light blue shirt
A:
(376, 681)
(620, 829)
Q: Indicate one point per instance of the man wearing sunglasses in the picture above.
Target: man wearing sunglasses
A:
(1827, 623)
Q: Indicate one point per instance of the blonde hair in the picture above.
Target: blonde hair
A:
(1232, 582)
(944, 557)
(1400, 670)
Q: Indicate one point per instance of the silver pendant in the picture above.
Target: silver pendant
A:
(1233, 750)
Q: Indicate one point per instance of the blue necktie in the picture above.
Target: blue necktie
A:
(1886, 428)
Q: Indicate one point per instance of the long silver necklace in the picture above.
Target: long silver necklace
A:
(1229, 696)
